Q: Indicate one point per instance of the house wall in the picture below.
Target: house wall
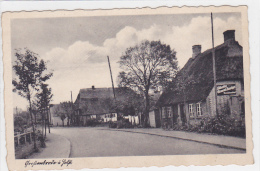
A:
(107, 117)
(152, 119)
(168, 121)
(56, 121)
(225, 102)
(195, 118)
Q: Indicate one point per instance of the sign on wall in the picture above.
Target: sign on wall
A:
(226, 89)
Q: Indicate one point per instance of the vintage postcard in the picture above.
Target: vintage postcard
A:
(127, 88)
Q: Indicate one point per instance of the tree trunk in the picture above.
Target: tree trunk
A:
(48, 119)
(68, 121)
(35, 119)
(42, 124)
(45, 127)
(34, 134)
(146, 111)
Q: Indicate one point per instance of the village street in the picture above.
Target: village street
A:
(95, 142)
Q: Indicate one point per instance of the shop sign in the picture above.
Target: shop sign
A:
(226, 89)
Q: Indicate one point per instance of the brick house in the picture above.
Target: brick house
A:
(191, 96)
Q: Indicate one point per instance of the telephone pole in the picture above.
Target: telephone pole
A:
(111, 77)
(214, 65)
(112, 84)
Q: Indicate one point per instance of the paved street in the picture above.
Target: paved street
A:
(94, 142)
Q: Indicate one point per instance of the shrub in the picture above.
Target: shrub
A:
(223, 125)
(92, 122)
(122, 124)
(112, 124)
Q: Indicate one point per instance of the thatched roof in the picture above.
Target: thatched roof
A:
(195, 80)
(101, 100)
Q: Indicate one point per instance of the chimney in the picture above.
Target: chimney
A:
(229, 35)
(196, 49)
(93, 87)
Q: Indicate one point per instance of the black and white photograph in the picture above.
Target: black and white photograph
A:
(128, 85)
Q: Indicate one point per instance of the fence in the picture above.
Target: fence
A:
(21, 139)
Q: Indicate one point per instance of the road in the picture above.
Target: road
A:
(94, 142)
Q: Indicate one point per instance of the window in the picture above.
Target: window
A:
(168, 112)
(199, 109)
(191, 110)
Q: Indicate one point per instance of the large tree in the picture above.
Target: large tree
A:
(147, 66)
(29, 76)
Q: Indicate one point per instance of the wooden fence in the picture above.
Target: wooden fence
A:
(21, 139)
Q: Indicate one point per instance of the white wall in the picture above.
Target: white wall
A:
(56, 121)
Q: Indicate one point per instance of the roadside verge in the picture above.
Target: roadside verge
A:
(56, 147)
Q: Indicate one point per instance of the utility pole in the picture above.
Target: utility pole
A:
(111, 77)
(112, 84)
(214, 66)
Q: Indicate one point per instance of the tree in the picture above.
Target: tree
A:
(148, 65)
(29, 71)
(66, 108)
(58, 112)
(44, 97)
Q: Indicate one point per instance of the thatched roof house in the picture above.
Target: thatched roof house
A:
(99, 102)
(191, 93)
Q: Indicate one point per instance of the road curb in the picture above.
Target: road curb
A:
(180, 138)
(68, 153)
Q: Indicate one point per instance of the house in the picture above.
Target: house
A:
(55, 118)
(99, 103)
(192, 94)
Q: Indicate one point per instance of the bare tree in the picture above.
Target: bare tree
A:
(144, 64)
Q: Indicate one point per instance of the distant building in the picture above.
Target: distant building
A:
(191, 96)
(98, 103)
(55, 118)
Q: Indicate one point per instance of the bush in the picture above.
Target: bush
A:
(221, 125)
(112, 125)
(121, 124)
(92, 122)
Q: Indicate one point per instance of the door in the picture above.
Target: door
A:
(175, 114)
(183, 117)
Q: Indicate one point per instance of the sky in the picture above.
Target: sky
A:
(76, 48)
